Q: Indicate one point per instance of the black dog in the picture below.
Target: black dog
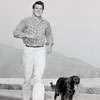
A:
(65, 87)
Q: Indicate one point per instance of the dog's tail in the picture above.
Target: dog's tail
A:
(52, 86)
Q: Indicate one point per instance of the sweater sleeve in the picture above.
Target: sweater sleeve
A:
(19, 30)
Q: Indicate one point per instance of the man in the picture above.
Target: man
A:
(37, 38)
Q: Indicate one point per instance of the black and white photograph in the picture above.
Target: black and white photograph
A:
(49, 50)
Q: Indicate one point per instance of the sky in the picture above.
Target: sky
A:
(75, 26)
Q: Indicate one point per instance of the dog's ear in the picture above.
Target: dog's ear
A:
(69, 79)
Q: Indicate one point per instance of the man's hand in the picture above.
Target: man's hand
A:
(49, 48)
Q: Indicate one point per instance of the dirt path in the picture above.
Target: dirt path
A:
(49, 96)
(77, 96)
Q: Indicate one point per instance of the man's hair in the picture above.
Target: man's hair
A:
(39, 3)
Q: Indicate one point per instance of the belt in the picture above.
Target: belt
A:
(34, 46)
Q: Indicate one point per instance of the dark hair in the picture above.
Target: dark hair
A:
(38, 2)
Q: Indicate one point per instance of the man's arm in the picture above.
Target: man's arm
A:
(19, 30)
(49, 38)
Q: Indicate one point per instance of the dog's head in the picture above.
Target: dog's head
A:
(75, 80)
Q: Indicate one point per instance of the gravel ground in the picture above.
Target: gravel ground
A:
(77, 96)
(50, 95)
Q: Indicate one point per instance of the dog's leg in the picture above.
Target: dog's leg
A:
(56, 94)
(62, 97)
(71, 97)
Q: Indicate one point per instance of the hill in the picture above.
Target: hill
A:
(57, 65)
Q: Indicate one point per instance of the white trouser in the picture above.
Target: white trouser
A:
(34, 60)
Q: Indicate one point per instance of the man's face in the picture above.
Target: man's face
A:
(38, 10)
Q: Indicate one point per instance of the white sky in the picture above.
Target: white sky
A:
(75, 25)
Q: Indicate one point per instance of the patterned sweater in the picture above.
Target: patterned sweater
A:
(40, 29)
